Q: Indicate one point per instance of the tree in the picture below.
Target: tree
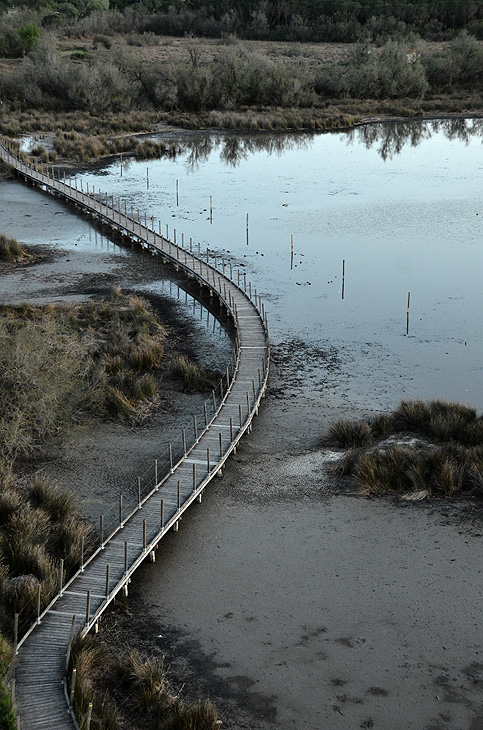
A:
(29, 34)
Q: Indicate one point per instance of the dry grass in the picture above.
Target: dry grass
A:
(448, 461)
(10, 249)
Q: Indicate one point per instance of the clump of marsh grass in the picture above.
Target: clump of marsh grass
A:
(194, 716)
(194, 379)
(10, 249)
(447, 462)
(146, 680)
(350, 434)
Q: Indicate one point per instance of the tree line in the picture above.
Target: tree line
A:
(302, 20)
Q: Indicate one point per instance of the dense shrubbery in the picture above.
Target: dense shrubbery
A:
(115, 80)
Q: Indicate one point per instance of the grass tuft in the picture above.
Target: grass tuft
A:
(10, 249)
(350, 434)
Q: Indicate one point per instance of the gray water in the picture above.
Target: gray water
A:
(401, 205)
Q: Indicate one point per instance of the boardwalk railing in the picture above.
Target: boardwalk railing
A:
(179, 476)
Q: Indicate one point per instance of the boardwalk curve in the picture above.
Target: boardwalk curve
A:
(179, 476)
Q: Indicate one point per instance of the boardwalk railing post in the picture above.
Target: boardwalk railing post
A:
(120, 511)
(108, 568)
(144, 535)
(220, 438)
(88, 606)
(39, 588)
(139, 492)
(81, 554)
(183, 431)
(69, 645)
(214, 399)
(195, 427)
(208, 459)
(240, 414)
(88, 718)
(101, 530)
(231, 428)
(15, 634)
(171, 458)
(72, 687)
(162, 514)
(194, 477)
(205, 413)
(179, 494)
(156, 474)
(254, 390)
(125, 557)
(61, 575)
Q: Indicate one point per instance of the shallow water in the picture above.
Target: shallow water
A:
(403, 217)
(295, 606)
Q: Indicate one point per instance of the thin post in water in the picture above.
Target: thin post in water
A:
(343, 278)
(291, 252)
(407, 313)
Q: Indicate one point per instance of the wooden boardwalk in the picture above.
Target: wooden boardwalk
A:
(40, 667)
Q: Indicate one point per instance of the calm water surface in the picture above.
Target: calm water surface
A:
(401, 205)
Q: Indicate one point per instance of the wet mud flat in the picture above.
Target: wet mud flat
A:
(287, 603)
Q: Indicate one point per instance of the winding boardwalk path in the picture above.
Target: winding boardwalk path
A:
(40, 669)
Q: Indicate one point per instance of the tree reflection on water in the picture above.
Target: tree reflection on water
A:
(391, 137)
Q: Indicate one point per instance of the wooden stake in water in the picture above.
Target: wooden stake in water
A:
(147, 178)
(247, 229)
(407, 313)
(291, 252)
(177, 192)
(343, 277)
(121, 164)
(211, 209)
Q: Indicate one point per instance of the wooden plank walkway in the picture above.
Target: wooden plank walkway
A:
(41, 653)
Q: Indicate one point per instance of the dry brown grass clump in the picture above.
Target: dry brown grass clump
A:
(10, 249)
(444, 455)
